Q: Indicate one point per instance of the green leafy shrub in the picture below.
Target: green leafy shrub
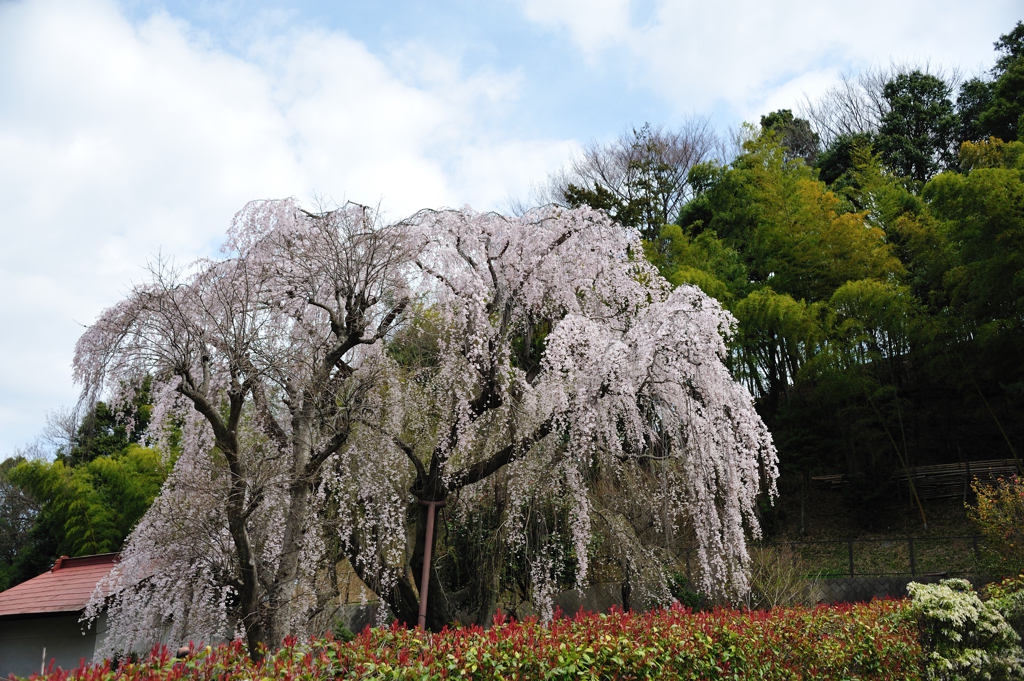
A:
(342, 633)
(963, 636)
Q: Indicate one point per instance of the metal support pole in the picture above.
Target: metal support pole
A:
(428, 545)
(849, 546)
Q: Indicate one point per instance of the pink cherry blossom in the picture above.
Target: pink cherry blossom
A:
(551, 354)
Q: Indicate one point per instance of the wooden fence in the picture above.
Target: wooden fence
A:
(943, 481)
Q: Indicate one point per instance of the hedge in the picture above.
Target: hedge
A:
(862, 641)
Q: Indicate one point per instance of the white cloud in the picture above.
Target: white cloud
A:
(792, 93)
(119, 140)
(696, 54)
(593, 24)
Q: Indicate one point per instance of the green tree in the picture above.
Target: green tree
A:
(826, 323)
(17, 517)
(91, 508)
(910, 231)
(1002, 117)
(792, 233)
(992, 153)
(776, 336)
(704, 261)
(87, 500)
(974, 99)
(626, 211)
(102, 432)
(836, 163)
(795, 134)
(1010, 48)
(873, 317)
(639, 179)
(982, 213)
(917, 134)
(993, 108)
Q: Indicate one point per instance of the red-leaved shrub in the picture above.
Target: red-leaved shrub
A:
(869, 641)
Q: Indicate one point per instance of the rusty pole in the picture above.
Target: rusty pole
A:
(428, 546)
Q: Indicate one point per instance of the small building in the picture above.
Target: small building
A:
(39, 619)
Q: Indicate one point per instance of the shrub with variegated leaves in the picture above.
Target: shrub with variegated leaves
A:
(963, 636)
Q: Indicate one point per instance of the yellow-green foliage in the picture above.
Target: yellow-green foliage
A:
(999, 514)
(91, 508)
(808, 245)
(982, 214)
(873, 314)
(704, 261)
(991, 153)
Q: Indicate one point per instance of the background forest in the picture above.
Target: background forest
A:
(870, 246)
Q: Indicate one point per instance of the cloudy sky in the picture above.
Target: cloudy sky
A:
(133, 128)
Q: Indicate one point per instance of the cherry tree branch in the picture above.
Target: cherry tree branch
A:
(503, 457)
(332, 446)
(437, 275)
(336, 326)
(421, 472)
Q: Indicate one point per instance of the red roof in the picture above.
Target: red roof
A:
(67, 587)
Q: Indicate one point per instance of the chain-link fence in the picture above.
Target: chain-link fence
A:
(878, 557)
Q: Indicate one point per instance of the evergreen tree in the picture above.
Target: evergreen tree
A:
(993, 108)
(1002, 118)
(917, 135)
(794, 134)
(104, 432)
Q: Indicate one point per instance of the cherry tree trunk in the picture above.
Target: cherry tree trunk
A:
(248, 592)
(282, 593)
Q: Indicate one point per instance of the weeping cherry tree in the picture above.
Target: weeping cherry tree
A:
(334, 372)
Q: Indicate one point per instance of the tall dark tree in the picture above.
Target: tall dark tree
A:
(993, 108)
(837, 162)
(1010, 48)
(106, 432)
(17, 517)
(1003, 117)
(918, 133)
(974, 100)
(794, 134)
